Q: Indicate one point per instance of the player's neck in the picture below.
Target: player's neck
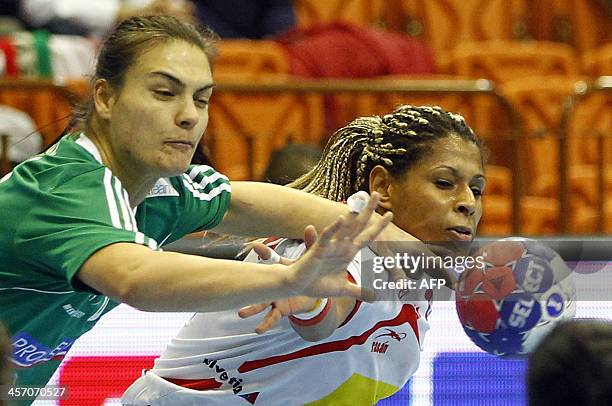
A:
(130, 175)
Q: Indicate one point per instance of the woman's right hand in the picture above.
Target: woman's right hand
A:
(321, 272)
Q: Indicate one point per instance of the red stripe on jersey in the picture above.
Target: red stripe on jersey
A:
(407, 315)
(355, 308)
(196, 384)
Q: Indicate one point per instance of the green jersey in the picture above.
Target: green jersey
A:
(56, 210)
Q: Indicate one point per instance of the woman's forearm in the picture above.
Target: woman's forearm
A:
(165, 281)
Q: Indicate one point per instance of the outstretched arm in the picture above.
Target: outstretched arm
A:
(263, 209)
(162, 281)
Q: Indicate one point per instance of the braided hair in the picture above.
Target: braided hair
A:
(395, 141)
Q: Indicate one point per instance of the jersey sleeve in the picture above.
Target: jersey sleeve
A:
(73, 220)
(205, 196)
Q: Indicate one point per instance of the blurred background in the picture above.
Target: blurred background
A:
(528, 75)
(532, 77)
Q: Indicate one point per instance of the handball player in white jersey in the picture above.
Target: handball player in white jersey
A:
(428, 167)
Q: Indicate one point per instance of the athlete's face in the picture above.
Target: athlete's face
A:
(439, 197)
(160, 112)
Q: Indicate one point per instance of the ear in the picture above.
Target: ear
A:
(104, 98)
(380, 181)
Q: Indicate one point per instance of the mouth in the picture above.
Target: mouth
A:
(182, 145)
(461, 233)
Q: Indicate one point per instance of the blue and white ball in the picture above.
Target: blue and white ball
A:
(523, 291)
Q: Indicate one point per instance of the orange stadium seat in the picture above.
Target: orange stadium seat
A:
(501, 61)
(584, 24)
(598, 62)
(361, 12)
(591, 23)
(540, 102)
(244, 58)
(539, 215)
(588, 221)
(447, 23)
(244, 128)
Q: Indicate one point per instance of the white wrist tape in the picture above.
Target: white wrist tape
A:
(274, 258)
(358, 201)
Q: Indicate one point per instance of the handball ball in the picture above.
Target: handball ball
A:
(511, 299)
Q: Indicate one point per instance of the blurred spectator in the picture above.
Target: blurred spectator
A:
(345, 50)
(290, 162)
(23, 139)
(573, 366)
(9, 17)
(95, 17)
(254, 19)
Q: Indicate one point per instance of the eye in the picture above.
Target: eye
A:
(444, 184)
(201, 103)
(164, 94)
(477, 192)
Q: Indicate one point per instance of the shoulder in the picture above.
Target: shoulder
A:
(63, 165)
(202, 175)
(200, 181)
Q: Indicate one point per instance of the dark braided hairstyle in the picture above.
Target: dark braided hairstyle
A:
(395, 141)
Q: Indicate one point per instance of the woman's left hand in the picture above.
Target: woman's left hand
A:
(278, 309)
(284, 307)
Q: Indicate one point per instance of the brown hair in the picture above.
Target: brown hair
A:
(395, 141)
(129, 39)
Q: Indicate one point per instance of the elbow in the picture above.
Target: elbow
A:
(135, 293)
(128, 292)
(132, 290)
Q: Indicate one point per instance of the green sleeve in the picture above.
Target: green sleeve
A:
(73, 220)
(205, 196)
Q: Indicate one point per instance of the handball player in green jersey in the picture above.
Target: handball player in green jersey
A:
(83, 222)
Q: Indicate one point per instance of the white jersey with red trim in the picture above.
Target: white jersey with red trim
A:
(218, 359)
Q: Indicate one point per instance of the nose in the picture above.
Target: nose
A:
(466, 202)
(187, 117)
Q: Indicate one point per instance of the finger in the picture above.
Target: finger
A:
(270, 320)
(356, 222)
(252, 310)
(358, 292)
(373, 229)
(330, 231)
(269, 256)
(263, 251)
(366, 217)
(310, 236)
